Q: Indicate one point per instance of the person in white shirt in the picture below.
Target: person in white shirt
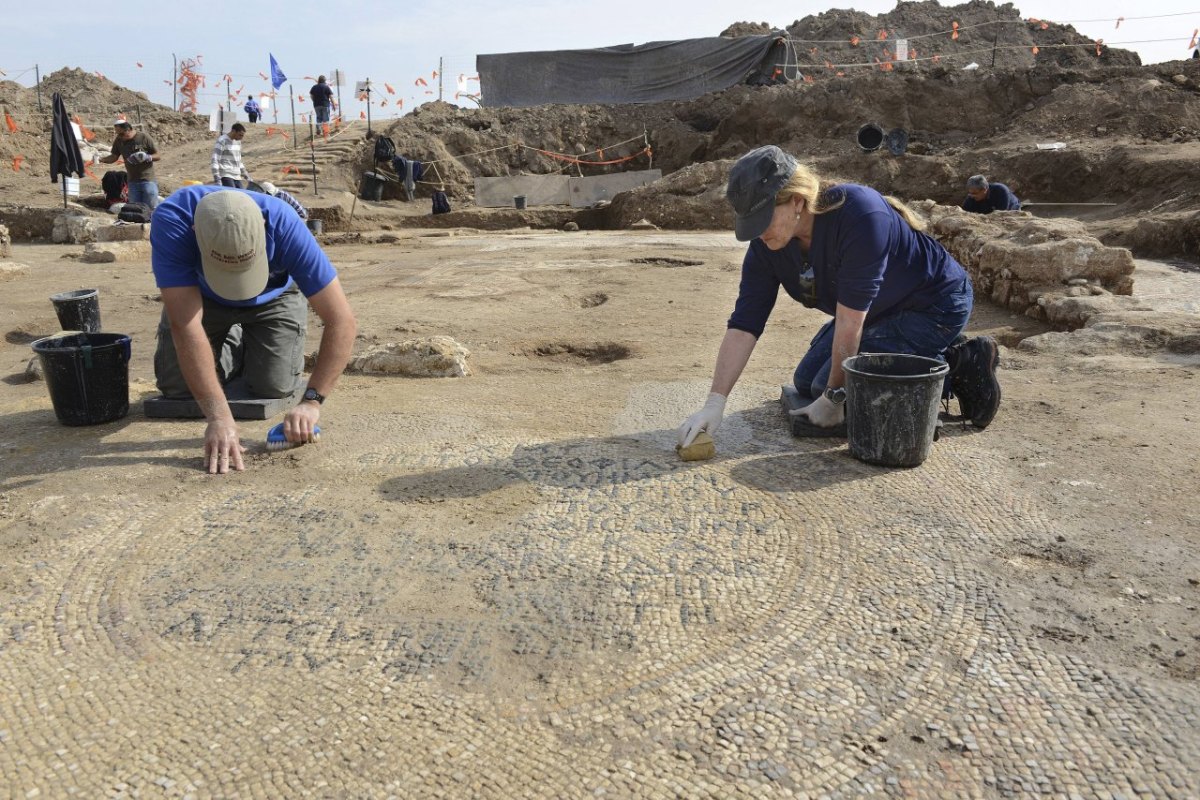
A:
(227, 167)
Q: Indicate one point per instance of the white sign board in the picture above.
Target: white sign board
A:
(902, 49)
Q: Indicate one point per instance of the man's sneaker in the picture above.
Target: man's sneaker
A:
(973, 379)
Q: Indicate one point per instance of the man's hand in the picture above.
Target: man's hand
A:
(707, 418)
(222, 447)
(299, 423)
(822, 412)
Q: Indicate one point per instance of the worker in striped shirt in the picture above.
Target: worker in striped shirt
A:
(227, 166)
(275, 191)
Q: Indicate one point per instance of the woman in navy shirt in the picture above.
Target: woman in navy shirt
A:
(863, 259)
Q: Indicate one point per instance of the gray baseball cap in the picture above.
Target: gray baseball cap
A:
(753, 183)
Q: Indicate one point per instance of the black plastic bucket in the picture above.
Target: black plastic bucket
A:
(372, 187)
(88, 376)
(78, 310)
(519, 201)
(870, 137)
(892, 407)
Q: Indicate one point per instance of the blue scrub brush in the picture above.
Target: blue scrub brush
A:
(277, 441)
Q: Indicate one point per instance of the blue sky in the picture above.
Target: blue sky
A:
(399, 42)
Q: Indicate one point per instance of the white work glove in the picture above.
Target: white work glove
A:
(822, 412)
(706, 419)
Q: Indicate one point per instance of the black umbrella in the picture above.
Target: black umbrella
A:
(65, 158)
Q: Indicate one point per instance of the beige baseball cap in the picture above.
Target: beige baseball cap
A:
(232, 237)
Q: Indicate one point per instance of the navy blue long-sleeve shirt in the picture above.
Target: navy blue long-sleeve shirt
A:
(999, 198)
(863, 255)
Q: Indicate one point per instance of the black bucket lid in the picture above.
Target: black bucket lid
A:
(897, 141)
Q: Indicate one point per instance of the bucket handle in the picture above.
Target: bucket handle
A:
(86, 351)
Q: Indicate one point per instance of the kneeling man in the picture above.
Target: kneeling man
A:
(232, 262)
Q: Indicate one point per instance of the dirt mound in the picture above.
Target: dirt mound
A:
(990, 35)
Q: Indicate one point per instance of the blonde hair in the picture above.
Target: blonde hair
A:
(807, 185)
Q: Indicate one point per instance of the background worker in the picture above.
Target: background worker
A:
(859, 257)
(984, 197)
(253, 109)
(227, 166)
(224, 258)
(139, 153)
(322, 99)
(274, 191)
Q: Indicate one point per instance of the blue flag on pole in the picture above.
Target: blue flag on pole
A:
(277, 76)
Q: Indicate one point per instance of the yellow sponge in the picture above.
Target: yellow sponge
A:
(701, 448)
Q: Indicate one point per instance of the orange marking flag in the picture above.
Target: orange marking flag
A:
(263, 75)
(1099, 44)
(87, 134)
(420, 82)
(854, 41)
(1119, 21)
(1035, 49)
(139, 64)
(10, 122)
(1192, 43)
(954, 32)
(389, 88)
(17, 163)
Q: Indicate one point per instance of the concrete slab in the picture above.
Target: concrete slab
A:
(241, 404)
(539, 190)
(587, 192)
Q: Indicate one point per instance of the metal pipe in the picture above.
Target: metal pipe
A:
(38, 81)
(174, 81)
(292, 96)
(337, 81)
(312, 152)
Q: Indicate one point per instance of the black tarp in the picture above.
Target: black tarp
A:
(644, 73)
(65, 158)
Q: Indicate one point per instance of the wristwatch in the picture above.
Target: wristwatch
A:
(836, 396)
(312, 394)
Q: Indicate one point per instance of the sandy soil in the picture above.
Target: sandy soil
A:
(561, 327)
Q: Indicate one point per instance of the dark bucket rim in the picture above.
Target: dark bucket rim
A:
(74, 294)
(44, 345)
(940, 368)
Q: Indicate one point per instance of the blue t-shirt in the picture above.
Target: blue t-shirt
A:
(292, 252)
(321, 95)
(999, 198)
(863, 255)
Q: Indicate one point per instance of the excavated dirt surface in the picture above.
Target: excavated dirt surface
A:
(507, 585)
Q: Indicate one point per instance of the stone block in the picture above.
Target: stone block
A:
(5, 242)
(134, 232)
(432, 357)
(74, 229)
(108, 252)
(11, 269)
